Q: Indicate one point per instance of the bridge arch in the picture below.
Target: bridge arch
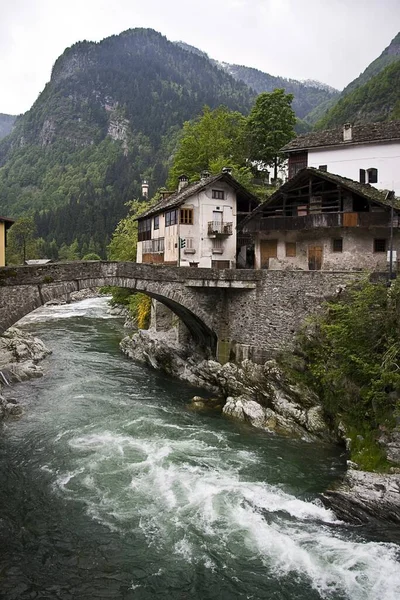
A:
(21, 299)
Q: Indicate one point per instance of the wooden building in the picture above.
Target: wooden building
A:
(318, 220)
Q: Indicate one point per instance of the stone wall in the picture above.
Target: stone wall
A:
(234, 313)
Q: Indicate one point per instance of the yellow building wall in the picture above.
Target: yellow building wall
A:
(2, 244)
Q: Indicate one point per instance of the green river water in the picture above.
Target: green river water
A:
(112, 488)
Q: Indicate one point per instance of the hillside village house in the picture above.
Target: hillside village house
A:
(321, 221)
(196, 225)
(5, 224)
(368, 153)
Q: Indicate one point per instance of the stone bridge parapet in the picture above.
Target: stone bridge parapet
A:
(234, 313)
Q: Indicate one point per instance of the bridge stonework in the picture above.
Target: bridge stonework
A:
(234, 313)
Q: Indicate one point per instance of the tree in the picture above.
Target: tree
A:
(270, 125)
(21, 241)
(123, 243)
(215, 138)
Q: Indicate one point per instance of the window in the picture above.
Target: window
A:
(323, 167)
(144, 230)
(218, 194)
(297, 162)
(337, 245)
(362, 175)
(372, 175)
(379, 245)
(186, 216)
(171, 218)
(156, 224)
(291, 249)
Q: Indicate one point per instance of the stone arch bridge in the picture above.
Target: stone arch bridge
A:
(235, 314)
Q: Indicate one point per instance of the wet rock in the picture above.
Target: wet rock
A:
(19, 354)
(364, 497)
(200, 403)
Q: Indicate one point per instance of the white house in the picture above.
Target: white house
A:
(196, 225)
(368, 153)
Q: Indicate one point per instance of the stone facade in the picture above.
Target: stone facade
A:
(236, 314)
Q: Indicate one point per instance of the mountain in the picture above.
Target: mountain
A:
(370, 97)
(307, 94)
(109, 117)
(376, 100)
(6, 124)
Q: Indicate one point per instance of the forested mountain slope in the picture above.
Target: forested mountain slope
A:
(307, 95)
(376, 100)
(108, 117)
(6, 124)
(354, 103)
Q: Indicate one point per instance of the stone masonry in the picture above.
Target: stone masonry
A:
(235, 314)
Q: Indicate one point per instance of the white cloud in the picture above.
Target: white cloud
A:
(331, 42)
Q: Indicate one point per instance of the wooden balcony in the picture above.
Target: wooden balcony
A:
(219, 228)
(321, 221)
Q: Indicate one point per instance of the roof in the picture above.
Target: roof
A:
(361, 134)
(364, 190)
(178, 198)
(6, 220)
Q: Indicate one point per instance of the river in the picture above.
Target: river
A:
(111, 487)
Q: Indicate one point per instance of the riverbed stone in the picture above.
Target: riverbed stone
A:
(365, 497)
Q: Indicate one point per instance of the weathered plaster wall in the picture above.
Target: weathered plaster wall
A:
(358, 249)
(348, 160)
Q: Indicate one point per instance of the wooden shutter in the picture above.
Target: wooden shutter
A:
(350, 219)
(315, 258)
(268, 249)
(291, 249)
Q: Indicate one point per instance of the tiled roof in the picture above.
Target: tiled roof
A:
(178, 198)
(361, 134)
(365, 190)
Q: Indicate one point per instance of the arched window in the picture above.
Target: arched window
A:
(372, 175)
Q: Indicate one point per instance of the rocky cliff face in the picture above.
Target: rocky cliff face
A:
(20, 353)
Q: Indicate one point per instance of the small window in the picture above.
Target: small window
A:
(218, 194)
(372, 175)
(171, 218)
(323, 167)
(362, 175)
(156, 224)
(186, 216)
(337, 245)
(379, 245)
(291, 249)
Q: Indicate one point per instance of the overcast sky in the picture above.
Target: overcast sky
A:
(329, 40)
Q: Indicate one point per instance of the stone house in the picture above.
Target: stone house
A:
(5, 224)
(196, 225)
(367, 153)
(321, 221)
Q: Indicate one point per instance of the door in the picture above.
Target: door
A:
(315, 258)
(268, 249)
(350, 219)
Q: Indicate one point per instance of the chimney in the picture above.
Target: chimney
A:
(227, 170)
(347, 132)
(204, 174)
(183, 182)
(145, 188)
(165, 194)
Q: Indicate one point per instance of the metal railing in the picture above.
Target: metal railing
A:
(219, 228)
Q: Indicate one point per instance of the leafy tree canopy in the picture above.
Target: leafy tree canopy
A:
(270, 125)
(214, 140)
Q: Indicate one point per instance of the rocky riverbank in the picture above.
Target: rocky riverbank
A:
(20, 353)
(257, 394)
(261, 396)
